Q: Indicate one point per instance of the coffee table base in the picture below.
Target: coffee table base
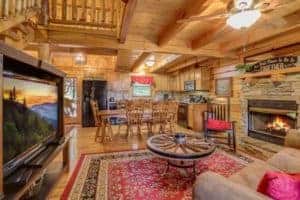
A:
(181, 166)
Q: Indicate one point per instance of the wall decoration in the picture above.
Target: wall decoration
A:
(223, 87)
(275, 64)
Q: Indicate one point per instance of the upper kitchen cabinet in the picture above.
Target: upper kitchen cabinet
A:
(202, 77)
(161, 83)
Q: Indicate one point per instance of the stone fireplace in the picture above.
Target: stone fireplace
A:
(270, 120)
(268, 110)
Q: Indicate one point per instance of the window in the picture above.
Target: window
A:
(70, 97)
(141, 90)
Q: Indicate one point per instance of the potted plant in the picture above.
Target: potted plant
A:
(244, 68)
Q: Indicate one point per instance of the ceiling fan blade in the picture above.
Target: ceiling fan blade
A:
(203, 18)
(271, 8)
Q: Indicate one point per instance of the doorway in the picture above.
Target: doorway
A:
(96, 90)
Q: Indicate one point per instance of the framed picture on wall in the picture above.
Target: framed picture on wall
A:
(223, 87)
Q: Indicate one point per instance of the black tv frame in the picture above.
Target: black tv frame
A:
(18, 62)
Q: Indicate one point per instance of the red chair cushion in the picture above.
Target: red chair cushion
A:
(280, 186)
(218, 125)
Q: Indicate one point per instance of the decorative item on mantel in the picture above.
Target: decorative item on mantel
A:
(275, 68)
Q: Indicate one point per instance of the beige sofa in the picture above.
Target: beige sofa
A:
(242, 185)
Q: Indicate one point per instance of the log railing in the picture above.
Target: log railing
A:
(100, 14)
(13, 8)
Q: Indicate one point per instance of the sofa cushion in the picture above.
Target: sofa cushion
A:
(212, 186)
(280, 186)
(251, 175)
(287, 160)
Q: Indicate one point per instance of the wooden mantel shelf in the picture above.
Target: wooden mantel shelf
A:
(271, 73)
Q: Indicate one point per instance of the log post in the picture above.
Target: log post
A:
(44, 52)
(44, 17)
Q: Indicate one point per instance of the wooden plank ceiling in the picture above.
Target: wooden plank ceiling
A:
(142, 29)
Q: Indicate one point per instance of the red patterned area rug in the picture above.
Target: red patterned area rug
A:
(138, 175)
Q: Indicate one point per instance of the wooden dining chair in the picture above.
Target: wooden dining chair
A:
(101, 123)
(159, 114)
(171, 115)
(121, 120)
(134, 116)
(217, 125)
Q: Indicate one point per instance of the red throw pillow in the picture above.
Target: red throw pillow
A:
(280, 186)
(218, 125)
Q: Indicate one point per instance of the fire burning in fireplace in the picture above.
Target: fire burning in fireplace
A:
(278, 125)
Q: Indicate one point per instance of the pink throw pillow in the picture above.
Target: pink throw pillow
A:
(280, 186)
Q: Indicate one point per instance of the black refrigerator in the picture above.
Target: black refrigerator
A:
(93, 89)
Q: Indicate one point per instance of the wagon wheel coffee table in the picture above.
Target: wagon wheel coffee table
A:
(180, 150)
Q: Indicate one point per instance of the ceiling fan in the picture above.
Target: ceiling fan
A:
(240, 13)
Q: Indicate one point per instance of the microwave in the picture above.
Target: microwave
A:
(189, 85)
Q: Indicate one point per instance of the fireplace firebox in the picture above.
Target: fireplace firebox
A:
(270, 120)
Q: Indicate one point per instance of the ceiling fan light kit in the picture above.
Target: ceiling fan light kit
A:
(243, 19)
(150, 62)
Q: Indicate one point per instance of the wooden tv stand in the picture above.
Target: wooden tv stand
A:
(18, 62)
(37, 172)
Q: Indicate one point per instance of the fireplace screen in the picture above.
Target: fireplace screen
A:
(270, 120)
(269, 123)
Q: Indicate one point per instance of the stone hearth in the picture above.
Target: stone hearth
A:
(265, 89)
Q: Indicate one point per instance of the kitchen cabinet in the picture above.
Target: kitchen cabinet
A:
(195, 116)
(202, 77)
(173, 83)
(191, 116)
(161, 83)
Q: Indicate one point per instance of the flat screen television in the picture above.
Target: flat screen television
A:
(30, 116)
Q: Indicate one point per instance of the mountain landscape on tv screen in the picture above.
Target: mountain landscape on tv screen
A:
(30, 115)
(23, 128)
(48, 111)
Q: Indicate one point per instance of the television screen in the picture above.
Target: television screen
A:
(30, 114)
(141, 90)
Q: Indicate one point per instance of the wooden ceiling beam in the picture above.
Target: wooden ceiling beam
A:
(209, 36)
(170, 64)
(186, 63)
(140, 60)
(193, 7)
(74, 50)
(61, 37)
(293, 49)
(273, 43)
(127, 18)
